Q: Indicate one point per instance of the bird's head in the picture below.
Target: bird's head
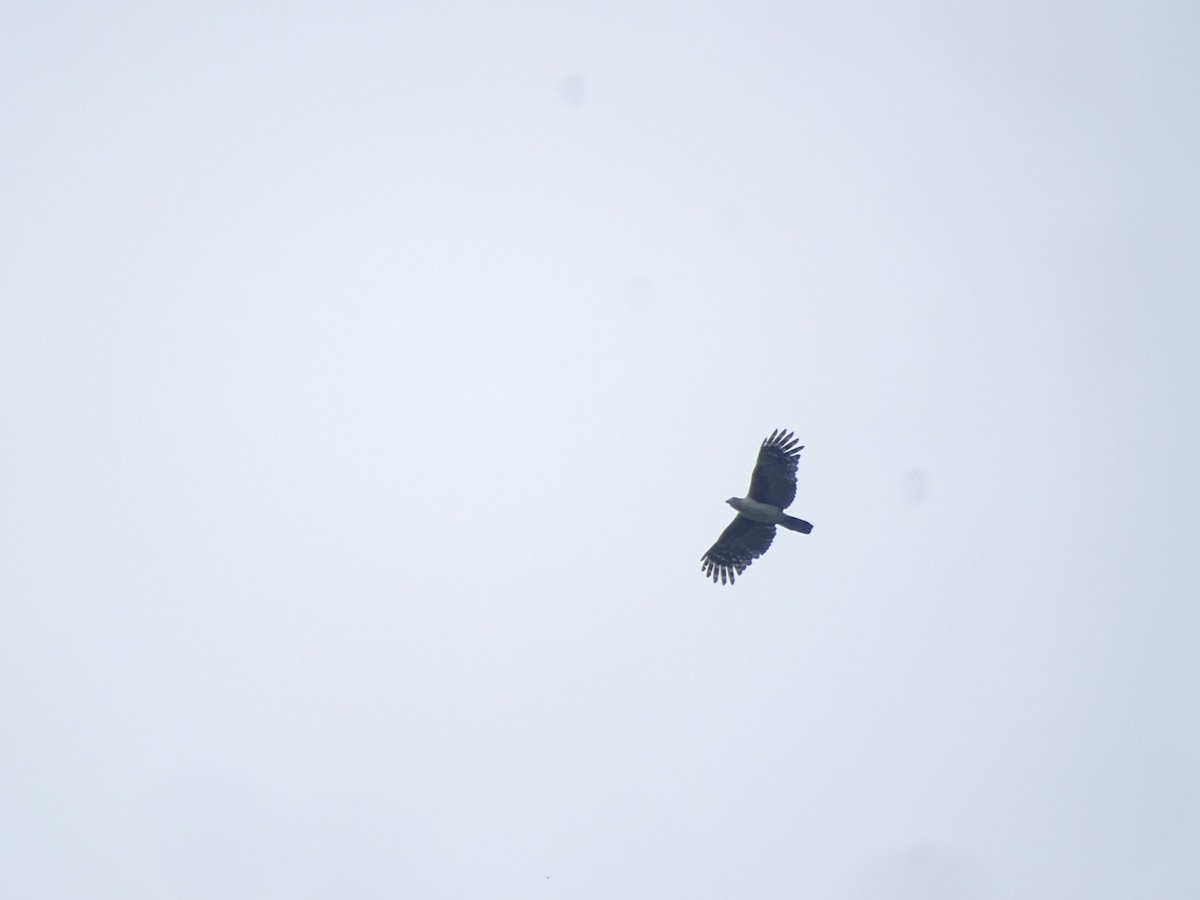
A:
(735, 502)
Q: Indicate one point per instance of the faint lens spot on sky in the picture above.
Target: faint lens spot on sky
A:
(916, 485)
(1137, 808)
(572, 91)
(62, 38)
(920, 873)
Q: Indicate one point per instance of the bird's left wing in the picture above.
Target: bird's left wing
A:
(739, 545)
(774, 478)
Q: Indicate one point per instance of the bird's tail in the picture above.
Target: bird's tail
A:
(791, 523)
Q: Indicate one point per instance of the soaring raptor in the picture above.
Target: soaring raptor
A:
(772, 490)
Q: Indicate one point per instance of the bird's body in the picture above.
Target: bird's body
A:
(752, 509)
(772, 490)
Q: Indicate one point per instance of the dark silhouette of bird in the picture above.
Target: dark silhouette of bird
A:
(772, 490)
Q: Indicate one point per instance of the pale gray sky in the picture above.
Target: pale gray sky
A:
(373, 376)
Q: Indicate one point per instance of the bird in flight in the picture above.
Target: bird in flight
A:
(772, 490)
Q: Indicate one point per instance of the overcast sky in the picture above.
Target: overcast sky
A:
(373, 375)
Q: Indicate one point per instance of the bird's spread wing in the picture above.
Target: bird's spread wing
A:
(774, 478)
(739, 545)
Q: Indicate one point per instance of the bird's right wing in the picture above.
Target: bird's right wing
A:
(774, 478)
(739, 545)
